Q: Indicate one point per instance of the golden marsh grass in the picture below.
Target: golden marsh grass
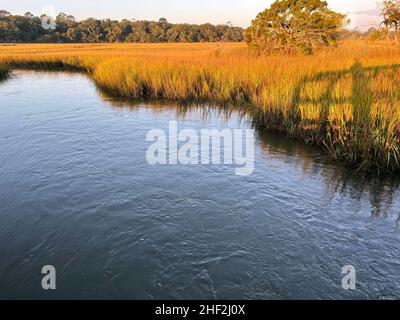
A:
(346, 99)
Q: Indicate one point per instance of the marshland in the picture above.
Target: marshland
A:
(78, 192)
(344, 99)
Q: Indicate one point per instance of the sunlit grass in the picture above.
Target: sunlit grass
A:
(346, 99)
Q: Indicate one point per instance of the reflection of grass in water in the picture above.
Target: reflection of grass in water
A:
(4, 73)
(181, 108)
(381, 191)
(350, 108)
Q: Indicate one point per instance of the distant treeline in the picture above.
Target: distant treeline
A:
(372, 34)
(29, 28)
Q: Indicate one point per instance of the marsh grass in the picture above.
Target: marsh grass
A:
(345, 99)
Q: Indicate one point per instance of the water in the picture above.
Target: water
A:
(76, 192)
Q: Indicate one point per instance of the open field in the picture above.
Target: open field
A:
(346, 99)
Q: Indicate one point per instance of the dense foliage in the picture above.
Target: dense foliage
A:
(29, 28)
(295, 25)
(391, 16)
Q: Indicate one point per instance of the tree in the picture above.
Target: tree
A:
(4, 14)
(64, 22)
(295, 25)
(28, 28)
(391, 16)
(91, 30)
(8, 31)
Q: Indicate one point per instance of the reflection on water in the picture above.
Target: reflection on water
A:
(77, 192)
(3, 77)
(181, 110)
(382, 191)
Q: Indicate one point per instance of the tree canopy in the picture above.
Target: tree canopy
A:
(29, 28)
(295, 25)
(391, 16)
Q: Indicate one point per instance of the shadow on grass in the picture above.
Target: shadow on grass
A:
(359, 137)
(361, 98)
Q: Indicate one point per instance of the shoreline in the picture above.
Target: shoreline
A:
(331, 109)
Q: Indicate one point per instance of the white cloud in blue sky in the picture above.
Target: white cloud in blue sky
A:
(363, 13)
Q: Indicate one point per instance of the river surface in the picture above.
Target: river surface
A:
(77, 193)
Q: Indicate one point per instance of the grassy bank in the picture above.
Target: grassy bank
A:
(345, 99)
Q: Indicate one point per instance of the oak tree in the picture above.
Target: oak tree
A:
(295, 25)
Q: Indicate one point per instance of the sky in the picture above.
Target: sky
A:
(363, 13)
